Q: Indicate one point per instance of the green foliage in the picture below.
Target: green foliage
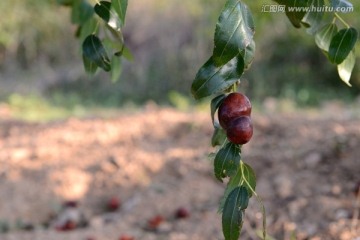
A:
(227, 161)
(213, 79)
(233, 40)
(342, 44)
(94, 52)
(233, 213)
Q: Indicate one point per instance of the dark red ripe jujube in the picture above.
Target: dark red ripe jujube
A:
(240, 130)
(233, 106)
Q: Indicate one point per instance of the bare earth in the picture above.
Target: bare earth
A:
(156, 161)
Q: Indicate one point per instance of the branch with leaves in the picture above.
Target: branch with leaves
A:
(233, 53)
(100, 33)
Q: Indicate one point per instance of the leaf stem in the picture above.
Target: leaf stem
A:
(342, 20)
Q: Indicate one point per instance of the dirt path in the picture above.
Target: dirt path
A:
(156, 161)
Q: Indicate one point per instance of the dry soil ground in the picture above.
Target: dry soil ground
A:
(157, 160)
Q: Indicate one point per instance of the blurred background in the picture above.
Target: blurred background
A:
(132, 157)
(40, 60)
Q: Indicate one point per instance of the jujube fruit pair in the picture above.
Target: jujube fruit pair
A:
(234, 116)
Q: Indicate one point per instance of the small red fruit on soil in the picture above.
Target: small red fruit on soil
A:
(240, 130)
(68, 226)
(233, 106)
(155, 222)
(126, 237)
(182, 213)
(113, 204)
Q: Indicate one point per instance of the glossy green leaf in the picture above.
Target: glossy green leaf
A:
(295, 10)
(94, 50)
(81, 12)
(103, 10)
(115, 69)
(248, 54)
(324, 35)
(238, 180)
(120, 7)
(219, 136)
(227, 161)
(212, 79)
(234, 32)
(232, 217)
(342, 44)
(90, 66)
(314, 18)
(215, 104)
(345, 68)
(234, 181)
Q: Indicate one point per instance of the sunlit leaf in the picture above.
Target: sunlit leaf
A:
(324, 35)
(234, 32)
(342, 44)
(212, 79)
(227, 161)
(313, 18)
(248, 54)
(232, 217)
(94, 50)
(103, 10)
(345, 68)
(120, 7)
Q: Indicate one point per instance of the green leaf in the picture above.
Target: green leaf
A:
(227, 161)
(238, 180)
(126, 53)
(89, 27)
(120, 7)
(234, 182)
(115, 69)
(234, 31)
(90, 66)
(215, 104)
(81, 12)
(345, 68)
(295, 10)
(344, 4)
(232, 217)
(324, 35)
(103, 10)
(219, 136)
(248, 54)
(249, 174)
(342, 44)
(212, 79)
(95, 51)
(313, 18)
